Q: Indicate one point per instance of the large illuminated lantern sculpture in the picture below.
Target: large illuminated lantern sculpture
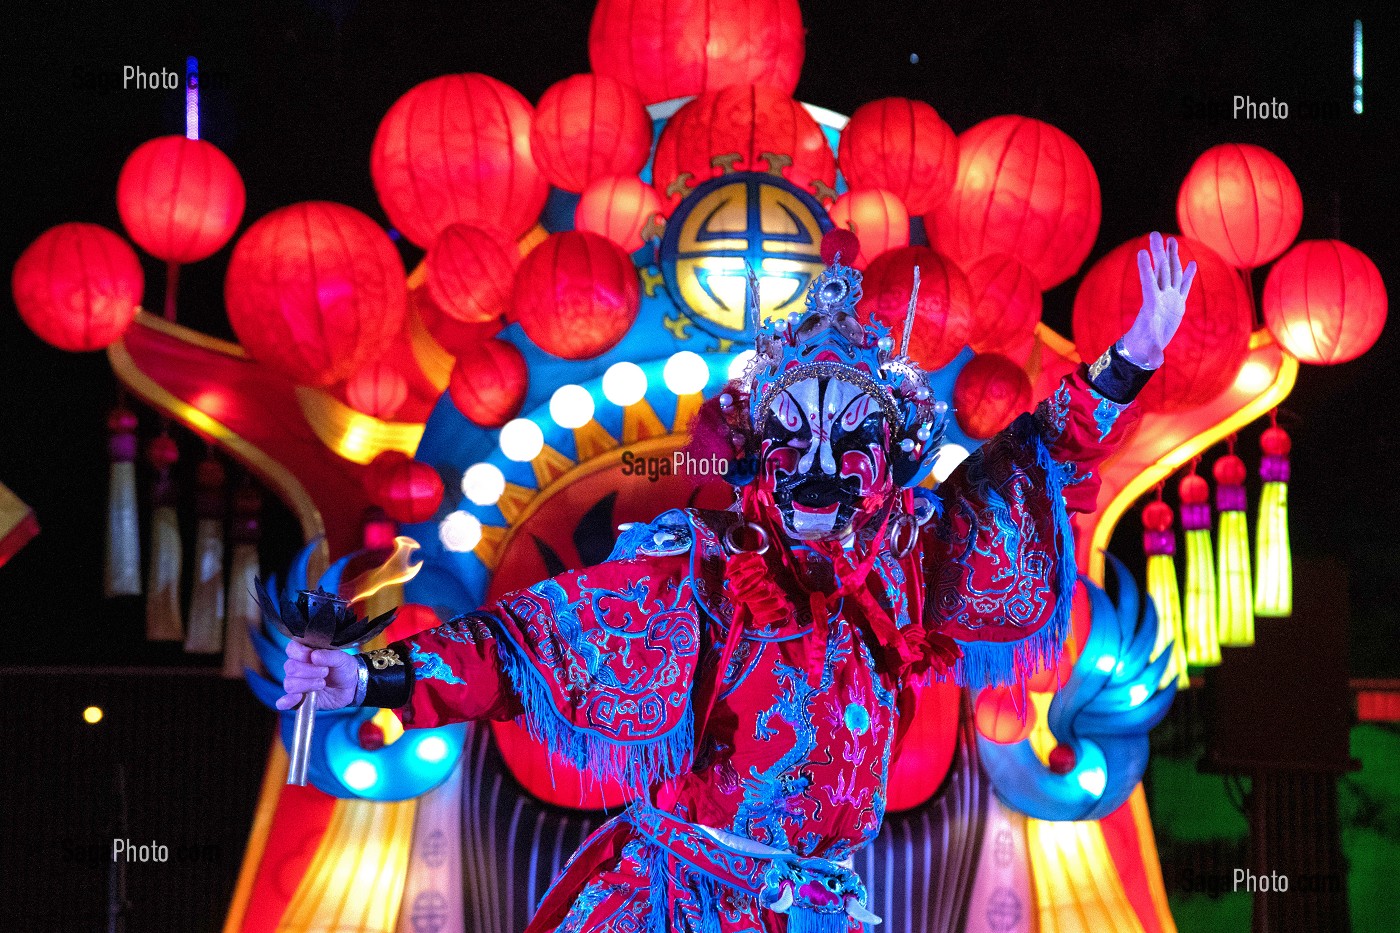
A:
(522, 392)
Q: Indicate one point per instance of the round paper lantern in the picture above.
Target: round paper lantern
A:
(315, 290)
(904, 147)
(587, 127)
(1209, 348)
(742, 124)
(471, 272)
(989, 393)
(683, 48)
(451, 334)
(1006, 303)
(1003, 715)
(409, 490)
(180, 199)
(576, 294)
(942, 318)
(876, 217)
(618, 207)
(1026, 189)
(456, 149)
(1324, 302)
(378, 390)
(1242, 202)
(488, 383)
(78, 286)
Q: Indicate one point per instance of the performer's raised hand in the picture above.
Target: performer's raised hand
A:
(1165, 286)
(331, 673)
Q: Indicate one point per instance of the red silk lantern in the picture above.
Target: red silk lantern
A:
(378, 390)
(989, 393)
(471, 272)
(687, 47)
(1025, 189)
(315, 290)
(1004, 715)
(1324, 302)
(587, 127)
(1242, 202)
(451, 334)
(741, 125)
(943, 315)
(488, 382)
(1208, 350)
(180, 199)
(576, 294)
(618, 207)
(78, 286)
(1006, 303)
(456, 149)
(876, 217)
(408, 490)
(904, 147)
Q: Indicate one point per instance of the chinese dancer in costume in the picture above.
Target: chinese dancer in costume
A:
(748, 672)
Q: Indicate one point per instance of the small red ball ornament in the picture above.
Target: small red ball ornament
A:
(1006, 303)
(588, 127)
(943, 314)
(904, 147)
(1157, 516)
(1003, 715)
(576, 295)
(876, 217)
(1324, 302)
(1193, 490)
(470, 273)
(1275, 442)
(839, 243)
(1242, 202)
(1229, 470)
(162, 453)
(78, 286)
(180, 199)
(618, 207)
(1062, 759)
(488, 382)
(378, 390)
(371, 736)
(409, 490)
(989, 393)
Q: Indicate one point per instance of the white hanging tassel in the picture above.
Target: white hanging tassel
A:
(122, 572)
(163, 618)
(206, 634)
(243, 611)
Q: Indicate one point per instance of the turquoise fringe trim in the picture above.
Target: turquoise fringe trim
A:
(801, 920)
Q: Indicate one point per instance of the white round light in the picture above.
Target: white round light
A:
(483, 484)
(459, 531)
(521, 440)
(686, 372)
(624, 384)
(360, 774)
(949, 456)
(571, 406)
(740, 364)
(432, 749)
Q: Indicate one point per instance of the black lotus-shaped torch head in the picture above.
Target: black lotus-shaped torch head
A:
(319, 619)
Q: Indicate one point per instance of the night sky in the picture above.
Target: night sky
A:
(293, 92)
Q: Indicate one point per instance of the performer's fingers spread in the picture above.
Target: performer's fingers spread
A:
(1188, 277)
(329, 657)
(1173, 262)
(1145, 269)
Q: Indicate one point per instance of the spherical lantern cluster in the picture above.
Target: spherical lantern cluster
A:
(943, 314)
(488, 382)
(989, 393)
(456, 149)
(78, 286)
(576, 295)
(587, 127)
(470, 273)
(408, 490)
(315, 290)
(1006, 303)
(1208, 350)
(1004, 715)
(1026, 189)
(180, 199)
(1324, 302)
(687, 47)
(378, 389)
(618, 207)
(1242, 202)
(904, 147)
(876, 217)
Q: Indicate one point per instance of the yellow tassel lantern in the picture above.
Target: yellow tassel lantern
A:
(1159, 543)
(1202, 639)
(1273, 583)
(1234, 612)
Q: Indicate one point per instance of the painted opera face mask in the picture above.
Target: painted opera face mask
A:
(823, 458)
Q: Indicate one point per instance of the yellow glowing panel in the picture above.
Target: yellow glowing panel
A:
(1077, 888)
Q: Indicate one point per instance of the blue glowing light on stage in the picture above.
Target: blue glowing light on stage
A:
(1356, 69)
(191, 98)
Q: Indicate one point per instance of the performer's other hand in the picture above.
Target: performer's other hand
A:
(1165, 286)
(331, 673)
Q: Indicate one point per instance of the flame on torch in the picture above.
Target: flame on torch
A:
(396, 569)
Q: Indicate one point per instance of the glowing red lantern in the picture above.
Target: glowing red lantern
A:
(989, 393)
(942, 317)
(451, 334)
(471, 272)
(742, 125)
(1003, 715)
(576, 294)
(1006, 303)
(904, 147)
(378, 390)
(180, 199)
(876, 217)
(315, 290)
(1324, 302)
(1242, 202)
(456, 149)
(488, 383)
(1026, 189)
(618, 207)
(409, 490)
(587, 127)
(686, 47)
(1208, 350)
(78, 286)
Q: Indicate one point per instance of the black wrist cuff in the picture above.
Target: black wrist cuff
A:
(390, 677)
(1116, 378)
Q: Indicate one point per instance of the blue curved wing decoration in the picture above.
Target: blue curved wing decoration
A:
(419, 761)
(1103, 714)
